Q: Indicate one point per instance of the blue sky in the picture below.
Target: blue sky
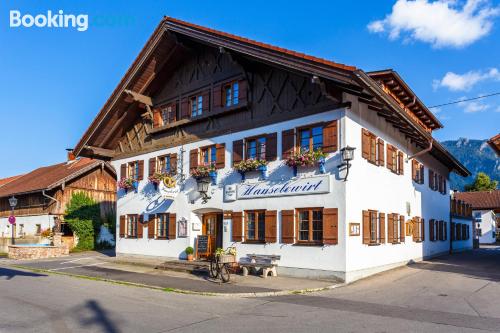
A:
(54, 81)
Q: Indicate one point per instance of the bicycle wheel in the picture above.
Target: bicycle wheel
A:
(212, 270)
(224, 273)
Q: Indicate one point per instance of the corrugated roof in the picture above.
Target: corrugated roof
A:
(481, 199)
(46, 177)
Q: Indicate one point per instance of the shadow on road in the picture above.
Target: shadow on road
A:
(97, 316)
(11, 273)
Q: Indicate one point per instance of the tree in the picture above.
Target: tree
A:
(482, 182)
(83, 215)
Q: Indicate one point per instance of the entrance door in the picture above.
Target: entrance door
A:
(212, 227)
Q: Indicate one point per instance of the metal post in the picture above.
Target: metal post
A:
(13, 226)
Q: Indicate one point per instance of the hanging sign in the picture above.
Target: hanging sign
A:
(300, 186)
(12, 219)
(169, 187)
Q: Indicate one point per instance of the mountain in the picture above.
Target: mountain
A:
(477, 156)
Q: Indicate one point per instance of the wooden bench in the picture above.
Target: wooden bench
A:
(257, 262)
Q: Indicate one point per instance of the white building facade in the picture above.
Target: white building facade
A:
(485, 221)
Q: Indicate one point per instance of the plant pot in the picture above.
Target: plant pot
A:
(321, 165)
(213, 177)
(295, 171)
(136, 186)
(263, 170)
(190, 257)
(155, 185)
(242, 174)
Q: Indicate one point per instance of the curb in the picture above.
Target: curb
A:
(183, 291)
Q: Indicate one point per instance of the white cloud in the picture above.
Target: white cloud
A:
(464, 82)
(441, 23)
(473, 107)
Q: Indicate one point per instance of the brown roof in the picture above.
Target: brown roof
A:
(4, 181)
(481, 199)
(47, 177)
(495, 143)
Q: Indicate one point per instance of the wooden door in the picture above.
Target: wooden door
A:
(209, 228)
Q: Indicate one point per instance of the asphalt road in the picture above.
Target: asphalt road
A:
(460, 293)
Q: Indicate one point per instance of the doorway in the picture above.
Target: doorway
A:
(212, 227)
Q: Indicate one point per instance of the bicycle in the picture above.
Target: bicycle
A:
(219, 268)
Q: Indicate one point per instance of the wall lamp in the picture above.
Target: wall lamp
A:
(203, 185)
(347, 154)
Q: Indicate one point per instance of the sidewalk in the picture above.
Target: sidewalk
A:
(141, 271)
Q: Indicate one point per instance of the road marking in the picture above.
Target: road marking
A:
(59, 269)
(70, 261)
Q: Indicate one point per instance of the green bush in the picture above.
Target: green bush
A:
(189, 250)
(84, 229)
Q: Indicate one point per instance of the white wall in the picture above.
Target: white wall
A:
(29, 225)
(487, 224)
(466, 244)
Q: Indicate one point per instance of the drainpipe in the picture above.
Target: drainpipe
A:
(54, 199)
(421, 152)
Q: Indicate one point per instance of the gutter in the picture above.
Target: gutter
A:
(421, 152)
(51, 198)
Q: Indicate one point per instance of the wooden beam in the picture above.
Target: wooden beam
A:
(146, 100)
(101, 151)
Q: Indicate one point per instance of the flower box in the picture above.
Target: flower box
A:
(307, 159)
(251, 165)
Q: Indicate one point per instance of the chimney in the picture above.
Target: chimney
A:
(71, 155)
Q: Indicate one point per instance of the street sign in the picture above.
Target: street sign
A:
(12, 219)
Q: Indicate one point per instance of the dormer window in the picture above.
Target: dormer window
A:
(231, 94)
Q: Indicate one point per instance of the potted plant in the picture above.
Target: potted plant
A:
(205, 171)
(189, 252)
(251, 165)
(126, 184)
(308, 158)
(156, 179)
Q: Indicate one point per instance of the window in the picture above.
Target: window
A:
(255, 226)
(310, 225)
(231, 94)
(208, 155)
(418, 226)
(163, 164)
(372, 148)
(132, 225)
(374, 227)
(168, 115)
(162, 225)
(393, 229)
(477, 217)
(310, 138)
(256, 148)
(392, 158)
(196, 105)
(417, 172)
(133, 170)
(479, 232)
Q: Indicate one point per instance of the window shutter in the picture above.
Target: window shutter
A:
(330, 226)
(287, 227)
(271, 146)
(380, 152)
(205, 107)
(122, 226)
(402, 231)
(401, 165)
(287, 144)
(414, 227)
(330, 137)
(445, 230)
(237, 226)
(185, 114)
(431, 179)
(444, 185)
(366, 227)
(140, 226)
(123, 171)
(382, 227)
(365, 143)
(422, 168)
(173, 163)
(422, 225)
(193, 159)
(140, 176)
(440, 184)
(390, 228)
(157, 118)
(172, 225)
(431, 230)
(270, 225)
(220, 157)
(242, 91)
(217, 102)
(152, 166)
(151, 226)
(390, 164)
(237, 151)
(414, 166)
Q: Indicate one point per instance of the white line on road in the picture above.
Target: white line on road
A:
(70, 261)
(58, 269)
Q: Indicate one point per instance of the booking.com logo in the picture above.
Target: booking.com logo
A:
(59, 19)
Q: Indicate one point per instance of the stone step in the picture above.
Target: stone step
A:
(193, 267)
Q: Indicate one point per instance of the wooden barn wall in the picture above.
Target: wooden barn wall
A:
(28, 204)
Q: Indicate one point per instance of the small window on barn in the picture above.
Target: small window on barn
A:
(168, 115)
(231, 94)
(196, 105)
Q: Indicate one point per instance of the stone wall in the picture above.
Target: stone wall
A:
(37, 252)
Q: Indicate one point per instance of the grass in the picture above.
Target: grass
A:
(3, 254)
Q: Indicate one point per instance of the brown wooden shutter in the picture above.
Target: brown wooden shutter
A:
(122, 225)
(237, 218)
(271, 146)
(365, 143)
(431, 179)
(173, 163)
(402, 230)
(123, 171)
(270, 225)
(330, 137)
(287, 143)
(205, 104)
(152, 166)
(390, 164)
(140, 176)
(330, 226)
(172, 226)
(380, 152)
(382, 227)
(243, 91)
(220, 156)
(422, 168)
(157, 121)
(366, 227)
(193, 159)
(185, 114)
(444, 185)
(237, 151)
(390, 228)
(414, 225)
(217, 102)
(151, 226)
(140, 226)
(440, 184)
(401, 165)
(422, 225)
(287, 228)
(414, 166)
